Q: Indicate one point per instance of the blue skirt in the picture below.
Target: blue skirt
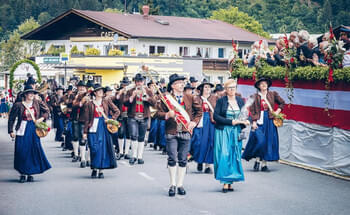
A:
(30, 157)
(227, 155)
(101, 147)
(202, 142)
(153, 131)
(263, 142)
(4, 108)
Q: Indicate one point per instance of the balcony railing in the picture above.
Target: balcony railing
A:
(215, 64)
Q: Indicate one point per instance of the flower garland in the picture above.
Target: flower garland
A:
(334, 57)
(290, 64)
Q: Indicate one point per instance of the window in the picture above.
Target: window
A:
(240, 53)
(106, 49)
(221, 52)
(199, 52)
(87, 46)
(161, 49)
(98, 79)
(207, 53)
(152, 49)
(123, 48)
(183, 51)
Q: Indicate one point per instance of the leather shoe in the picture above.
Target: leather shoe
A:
(208, 170)
(230, 188)
(256, 166)
(126, 157)
(30, 178)
(200, 167)
(22, 179)
(132, 161)
(265, 169)
(172, 191)
(83, 164)
(118, 156)
(94, 174)
(87, 163)
(224, 190)
(100, 175)
(140, 161)
(181, 191)
(75, 159)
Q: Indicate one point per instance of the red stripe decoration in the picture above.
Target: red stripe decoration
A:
(308, 105)
(310, 85)
(336, 118)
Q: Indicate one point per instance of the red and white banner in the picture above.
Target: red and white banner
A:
(309, 101)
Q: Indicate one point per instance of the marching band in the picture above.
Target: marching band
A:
(100, 126)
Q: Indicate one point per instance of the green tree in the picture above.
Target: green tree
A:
(15, 49)
(44, 17)
(240, 19)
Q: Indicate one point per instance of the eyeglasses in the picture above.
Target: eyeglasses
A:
(231, 88)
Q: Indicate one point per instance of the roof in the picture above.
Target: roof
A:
(159, 27)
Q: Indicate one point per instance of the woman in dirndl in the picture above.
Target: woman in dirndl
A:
(263, 144)
(30, 157)
(203, 134)
(95, 131)
(3, 106)
(228, 146)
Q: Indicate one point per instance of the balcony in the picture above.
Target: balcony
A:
(215, 64)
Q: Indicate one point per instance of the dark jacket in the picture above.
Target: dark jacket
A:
(192, 106)
(41, 110)
(272, 97)
(221, 109)
(146, 104)
(89, 108)
(77, 110)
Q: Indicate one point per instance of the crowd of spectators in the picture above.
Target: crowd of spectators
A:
(306, 50)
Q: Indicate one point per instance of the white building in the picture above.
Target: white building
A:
(148, 35)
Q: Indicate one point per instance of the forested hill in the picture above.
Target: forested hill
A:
(274, 15)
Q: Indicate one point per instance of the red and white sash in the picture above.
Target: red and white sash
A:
(181, 116)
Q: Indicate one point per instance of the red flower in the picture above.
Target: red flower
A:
(286, 42)
(292, 60)
(329, 61)
(330, 75)
(48, 129)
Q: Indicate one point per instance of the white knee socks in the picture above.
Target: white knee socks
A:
(172, 174)
(121, 145)
(82, 152)
(75, 147)
(140, 148)
(127, 146)
(134, 147)
(181, 171)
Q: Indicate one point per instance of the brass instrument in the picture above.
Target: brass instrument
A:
(64, 108)
(153, 111)
(43, 87)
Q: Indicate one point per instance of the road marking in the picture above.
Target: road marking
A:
(146, 176)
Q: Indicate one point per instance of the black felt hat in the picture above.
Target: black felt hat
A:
(205, 82)
(188, 86)
(193, 79)
(219, 88)
(257, 83)
(173, 78)
(29, 89)
(139, 77)
(99, 87)
(81, 84)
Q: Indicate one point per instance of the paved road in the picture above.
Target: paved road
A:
(68, 189)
